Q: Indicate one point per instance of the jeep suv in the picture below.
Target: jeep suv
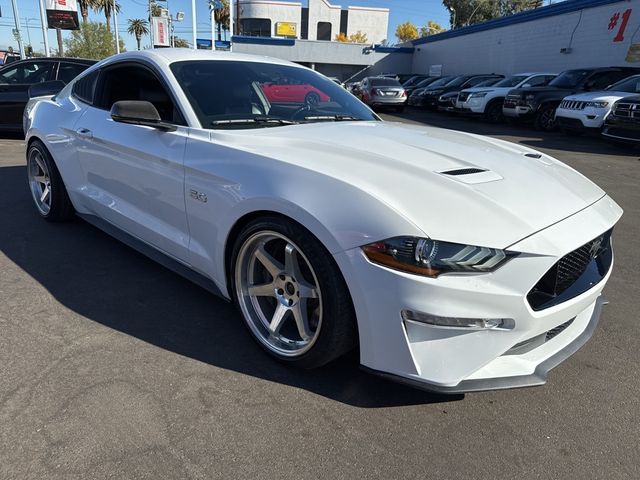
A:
(538, 104)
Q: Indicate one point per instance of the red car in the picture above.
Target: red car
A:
(293, 93)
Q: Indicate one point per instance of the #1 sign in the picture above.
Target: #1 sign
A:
(62, 14)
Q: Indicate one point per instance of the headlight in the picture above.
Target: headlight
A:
(529, 97)
(597, 104)
(478, 94)
(423, 256)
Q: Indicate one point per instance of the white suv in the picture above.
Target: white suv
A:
(586, 112)
(487, 101)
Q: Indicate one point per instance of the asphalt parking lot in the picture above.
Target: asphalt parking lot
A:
(113, 367)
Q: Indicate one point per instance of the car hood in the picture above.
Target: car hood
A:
(542, 90)
(603, 96)
(402, 166)
(488, 89)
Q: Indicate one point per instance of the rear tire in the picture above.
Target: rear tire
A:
(47, 188)
(291, 294)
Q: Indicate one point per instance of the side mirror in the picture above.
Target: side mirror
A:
(137, 112)
(46, 89)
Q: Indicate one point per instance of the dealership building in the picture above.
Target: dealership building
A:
(317, 20)
(564, 35)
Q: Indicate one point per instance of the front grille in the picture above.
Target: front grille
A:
(464, 96)
(511, 101)
(627, 110)
(569, 122)
(573, 274)
(573, 104)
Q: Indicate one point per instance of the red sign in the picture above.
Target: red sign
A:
(613, 23)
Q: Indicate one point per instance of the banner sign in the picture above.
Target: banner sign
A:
(286, 29)
(161, 37)
(62, 14)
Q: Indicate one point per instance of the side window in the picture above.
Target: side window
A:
(85, 87)
(133, 82)
(539, 81)
(29, 73)
(602, 80)
(69, 71)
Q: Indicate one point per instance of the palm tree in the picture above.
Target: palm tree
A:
(106, 7)
(138, 27)
(221, 16)
(84, 9)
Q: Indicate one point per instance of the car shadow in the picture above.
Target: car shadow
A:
(526, 135)
(107, 282)
(11, 135)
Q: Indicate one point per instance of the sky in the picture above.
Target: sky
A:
(417, 11)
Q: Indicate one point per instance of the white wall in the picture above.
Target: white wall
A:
(276, 11)
(323, 11)
(536, 45)
(372, 21)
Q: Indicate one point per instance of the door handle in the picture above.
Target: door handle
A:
(84, 133)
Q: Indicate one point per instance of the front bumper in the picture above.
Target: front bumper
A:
(518, 111)
(586, 119)
(456, 360)
(624, 129)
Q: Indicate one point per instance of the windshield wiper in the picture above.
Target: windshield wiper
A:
(253, 120)
(331, 118)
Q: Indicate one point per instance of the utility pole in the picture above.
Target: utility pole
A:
(195, 25)
(60, 47)
(115, 26)
(231, 25)
(45, 36)
(16, 18)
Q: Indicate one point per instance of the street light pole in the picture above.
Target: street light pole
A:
(195, 25)
(45, 36)
(115, 26)
(231, 25)
(16, 17)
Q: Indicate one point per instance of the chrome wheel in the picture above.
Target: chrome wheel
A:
(278, 293)
(39, 181)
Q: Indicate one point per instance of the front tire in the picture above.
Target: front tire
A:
(493, 112)
(291, 294)
(545, 118)
(47, 188)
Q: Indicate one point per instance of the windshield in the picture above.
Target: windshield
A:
(413, 81)
(457, 81)
(631, 85)
(231, 94)
(441, 82)
(569, 79)
(511, 81)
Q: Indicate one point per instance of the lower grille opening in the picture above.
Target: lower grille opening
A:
(534, 342)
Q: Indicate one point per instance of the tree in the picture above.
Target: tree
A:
(92, 40)
(431, 28)
(138, 27)
(221, 16)
(358, 37)
(84, 9)
(180, 43)
(106, 7)
(155, 9)
(468, 12)
(406, 32)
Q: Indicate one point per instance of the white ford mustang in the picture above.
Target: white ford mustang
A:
(455, 262)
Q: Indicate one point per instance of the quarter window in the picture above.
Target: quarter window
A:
(85, 87)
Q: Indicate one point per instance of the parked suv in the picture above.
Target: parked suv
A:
(420, 95)
(488, 101)
(17, 77)
(538, 104)
(447, 101)
(623, 123)
(586, 112)
(383, 92)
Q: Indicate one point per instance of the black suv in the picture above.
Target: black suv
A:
(623, 123)
(17, 77)
(538, 104)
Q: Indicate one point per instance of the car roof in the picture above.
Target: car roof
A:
(168, 56)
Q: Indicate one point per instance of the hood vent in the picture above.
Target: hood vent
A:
(533, 155)
(463, 171)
